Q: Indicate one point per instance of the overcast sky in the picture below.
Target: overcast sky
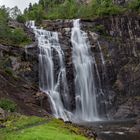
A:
(22, 4)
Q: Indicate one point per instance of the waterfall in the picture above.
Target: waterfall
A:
(53, 81)
(84, 64)
(101, 53)
(56, 89)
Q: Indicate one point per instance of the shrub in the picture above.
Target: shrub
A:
(18, 35)
(8, 105)
(134, 5)
(9, 71)
(21, 19)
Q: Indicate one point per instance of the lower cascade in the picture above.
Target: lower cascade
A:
(55, 84)
(86, 104)
(47, 43)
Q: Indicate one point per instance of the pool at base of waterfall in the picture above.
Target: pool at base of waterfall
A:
(115, 130)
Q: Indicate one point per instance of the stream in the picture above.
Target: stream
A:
(114, 130)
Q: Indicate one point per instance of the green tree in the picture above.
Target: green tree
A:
(4, 17)
(134, 5)
(15, 12)
(18, 36)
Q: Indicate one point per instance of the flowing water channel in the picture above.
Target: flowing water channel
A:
(48, 42)
(113, 129)
(85, 94)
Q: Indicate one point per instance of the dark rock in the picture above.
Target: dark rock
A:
(68, 122)
(135, 129)
(61, 119)
(2, 126)
(90, 133)
(122, 2)
(43, 101)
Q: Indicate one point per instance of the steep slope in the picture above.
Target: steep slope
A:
(19, 78)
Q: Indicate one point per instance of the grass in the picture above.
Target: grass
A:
(35, 128)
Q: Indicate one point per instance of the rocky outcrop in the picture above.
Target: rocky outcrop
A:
(24, 94)
(19, 78)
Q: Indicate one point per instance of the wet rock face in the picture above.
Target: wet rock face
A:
(119, 38)
(119, 42)
(65, 42)
(20, 62)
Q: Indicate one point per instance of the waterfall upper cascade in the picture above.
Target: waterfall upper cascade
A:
(47, 43)
(86, 92)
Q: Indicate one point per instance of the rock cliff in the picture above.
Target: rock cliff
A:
(118, 38)
(115, 39)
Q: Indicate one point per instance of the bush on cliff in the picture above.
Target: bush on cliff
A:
(8, 105)
(134, 5)
(18, 36)
(9, 36)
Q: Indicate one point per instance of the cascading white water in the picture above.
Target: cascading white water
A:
(86, 104)
(47, 42)
(101, 53)
(55, 84)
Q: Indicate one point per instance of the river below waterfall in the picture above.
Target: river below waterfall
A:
(113, 130)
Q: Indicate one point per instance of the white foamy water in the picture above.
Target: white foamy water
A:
(86, 104)
(48, 42)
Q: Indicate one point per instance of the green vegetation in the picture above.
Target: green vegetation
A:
(17, 121)
(5, 66)
(69, 9)
(100, 29)
(18, 36)
(8, 105)
(8, 36)
(35, 128)
(9, 71)
(134, 5)
(56, 9)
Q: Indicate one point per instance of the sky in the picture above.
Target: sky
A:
(22, 4)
